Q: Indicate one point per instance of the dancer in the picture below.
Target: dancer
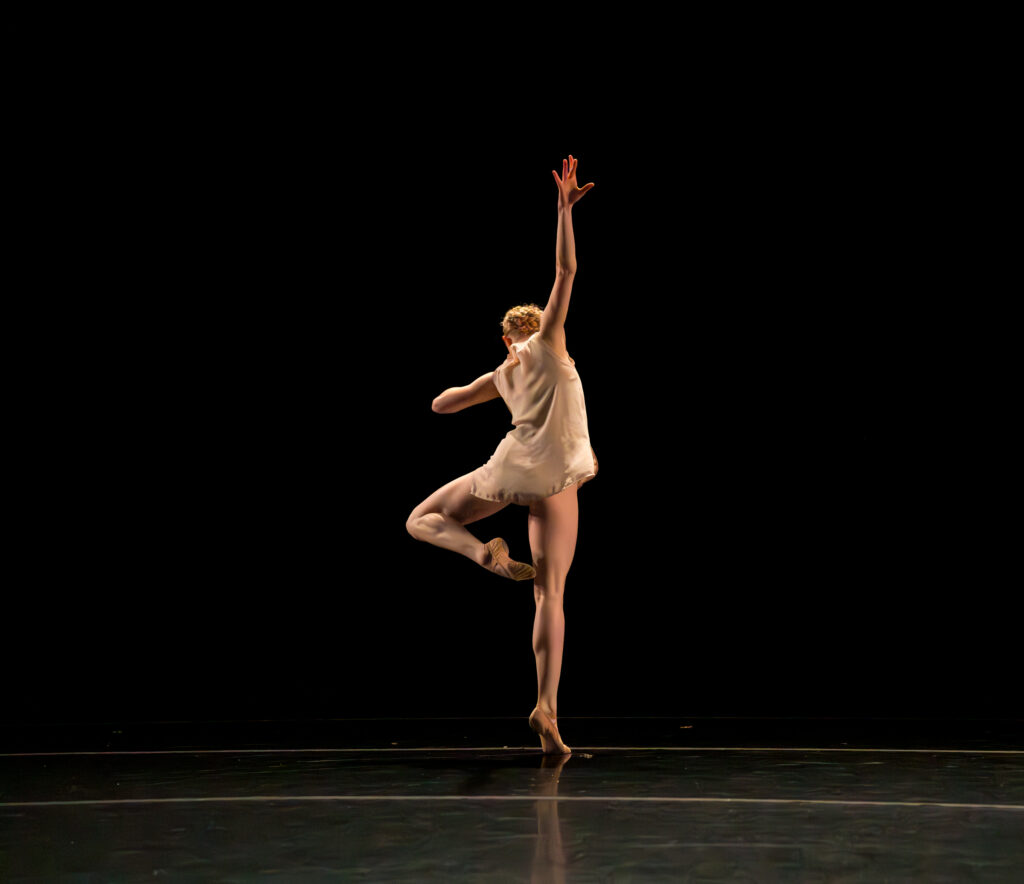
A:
(540, 464)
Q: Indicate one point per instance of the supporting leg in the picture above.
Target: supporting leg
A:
(553, 526)
(548, 642)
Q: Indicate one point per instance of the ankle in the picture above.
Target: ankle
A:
(549, 708)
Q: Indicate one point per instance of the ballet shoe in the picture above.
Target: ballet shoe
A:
(546, 727)
(503, 566)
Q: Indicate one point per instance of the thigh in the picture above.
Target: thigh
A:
(553, 524)
(454, 500)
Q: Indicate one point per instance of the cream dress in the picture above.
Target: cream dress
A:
(549, 449)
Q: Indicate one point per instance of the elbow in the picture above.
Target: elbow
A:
(438, 406)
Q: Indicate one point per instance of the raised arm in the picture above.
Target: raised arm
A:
(553, 320)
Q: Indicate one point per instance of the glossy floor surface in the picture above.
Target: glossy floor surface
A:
(396, 800)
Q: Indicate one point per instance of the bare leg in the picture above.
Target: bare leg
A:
(440, 519)
(441, 530)
(553, 526)
(548, 642)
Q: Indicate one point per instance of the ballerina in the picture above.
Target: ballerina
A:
(540, 464)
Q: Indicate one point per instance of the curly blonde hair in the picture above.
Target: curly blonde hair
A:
(522, 320)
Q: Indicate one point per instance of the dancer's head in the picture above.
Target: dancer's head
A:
(519, 323)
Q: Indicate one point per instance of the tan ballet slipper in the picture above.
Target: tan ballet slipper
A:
(503, 566)
(546, 727)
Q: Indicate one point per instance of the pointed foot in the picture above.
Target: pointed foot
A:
(545, 725)
(498, 562)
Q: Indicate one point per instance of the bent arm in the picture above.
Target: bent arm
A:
(457, 398)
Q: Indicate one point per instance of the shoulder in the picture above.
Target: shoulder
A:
(555, 340)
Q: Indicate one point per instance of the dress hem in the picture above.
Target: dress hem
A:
(527, 499)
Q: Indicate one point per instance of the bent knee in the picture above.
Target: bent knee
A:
(418, 522)
(413, 522)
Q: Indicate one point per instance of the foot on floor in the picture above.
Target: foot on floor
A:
(544, 724)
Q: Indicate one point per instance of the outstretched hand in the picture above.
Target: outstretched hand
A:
(568, 192)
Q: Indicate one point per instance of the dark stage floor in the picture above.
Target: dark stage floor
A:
(396, 800)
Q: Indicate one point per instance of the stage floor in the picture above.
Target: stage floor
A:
(396, 800)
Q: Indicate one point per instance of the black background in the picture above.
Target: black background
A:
(226, 413)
